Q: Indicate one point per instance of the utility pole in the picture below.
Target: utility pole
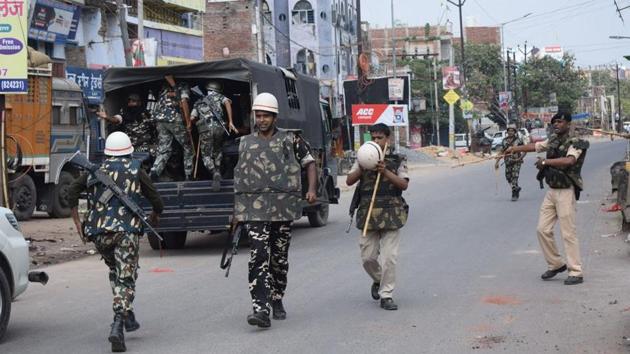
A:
(620, 121)
(451, 114)
(4, 185)
(436, 106)
(509, 81)
(122, 18)
(396, 131)
(518, 121)
(460, 4)
(140, 20)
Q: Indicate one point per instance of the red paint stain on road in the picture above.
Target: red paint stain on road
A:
(501, 300)
(161, 270)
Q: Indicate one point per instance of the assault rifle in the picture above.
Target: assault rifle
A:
(235, 236)
(113, 190)
(183, 105)
(198, 92)
(354, 205)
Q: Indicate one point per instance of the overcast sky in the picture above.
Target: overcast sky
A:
(579, 26)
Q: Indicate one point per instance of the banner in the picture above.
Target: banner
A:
(505, 97)
(90, 81)
(390, 114)
(13, 47)
(396, 88)
(450, 78)
(54, 21)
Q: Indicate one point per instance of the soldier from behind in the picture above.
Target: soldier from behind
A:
(207, 113)
(268, 191)
(389, 214)
(170, 125)
(135, 121)
(513, 162)
(562, 172)
(114, 230)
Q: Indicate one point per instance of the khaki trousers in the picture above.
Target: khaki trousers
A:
(559, 205)
(384, 243)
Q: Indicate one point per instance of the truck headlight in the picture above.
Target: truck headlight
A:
(13, 221)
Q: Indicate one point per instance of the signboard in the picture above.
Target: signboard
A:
(53, 21)
(505, 97)
(466, 105)
(554, 51)
(90, 81)
(396, 88)
(390, 114)
(13, 47)
(451, 97)
(450, 78)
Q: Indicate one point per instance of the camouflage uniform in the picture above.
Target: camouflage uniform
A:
(389, 214)
(210, 110)
(170, 124)
(268, 190)
(559, 203)
(513, 162)
(141, 130)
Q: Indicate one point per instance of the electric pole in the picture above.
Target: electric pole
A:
(619, 122)
(4, 185)
(515, 89)
(460, 4)
(122, 18)
(436, 106)
(140, 20)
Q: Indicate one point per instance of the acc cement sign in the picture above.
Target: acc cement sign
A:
(13, 46)
(390, 114)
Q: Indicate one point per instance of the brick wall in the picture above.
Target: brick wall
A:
(229, 25)
(483, 35)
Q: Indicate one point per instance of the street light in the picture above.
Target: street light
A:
(505, 84)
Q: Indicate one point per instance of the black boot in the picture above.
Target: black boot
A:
(216, 181)
(130, 322)
(117, 336)
(514, 195)
(259, 319)
(278, 310)
(518, 192)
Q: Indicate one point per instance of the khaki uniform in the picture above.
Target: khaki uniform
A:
(559, 205)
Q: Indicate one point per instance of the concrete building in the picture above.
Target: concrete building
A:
(316, 38)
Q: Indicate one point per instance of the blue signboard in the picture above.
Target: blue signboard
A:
(90, 81)
(53, 21)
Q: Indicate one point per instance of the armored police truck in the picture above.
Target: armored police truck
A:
(194, 205)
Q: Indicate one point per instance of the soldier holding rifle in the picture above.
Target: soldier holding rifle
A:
(389, 214)
(561, 170)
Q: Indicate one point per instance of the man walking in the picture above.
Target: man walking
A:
(114, 229)
(513, 162)
(389, 214)
(268, 191)
(562, 171)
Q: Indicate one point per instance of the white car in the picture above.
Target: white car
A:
(14, 265)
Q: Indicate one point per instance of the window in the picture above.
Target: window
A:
(56, 114)
(300, 61)
(305, 62)
(292, 96)
(73, 115)
(325, 68)
(303, 13)
(266, 11)
(282, 17)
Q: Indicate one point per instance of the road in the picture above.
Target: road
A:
(468, 281)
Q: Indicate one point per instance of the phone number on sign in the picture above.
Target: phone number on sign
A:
(13, 85)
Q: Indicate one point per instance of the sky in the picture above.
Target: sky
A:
(581, 27)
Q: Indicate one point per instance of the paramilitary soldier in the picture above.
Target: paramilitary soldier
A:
(267, 199)
(561, 170)
(389, 214)
(114, 230)
(513, 162)
(170, 125)
(208, 115)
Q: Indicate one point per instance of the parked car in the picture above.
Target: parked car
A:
(14, 264)
(538, 134)
(497, 138)
(462, 141)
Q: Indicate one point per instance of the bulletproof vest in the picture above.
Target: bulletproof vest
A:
(106, 213)
(390, 209)
(565, 177)
(167, 109)
(267, 179)
(514, 141)
(210, 109)
(140, 129)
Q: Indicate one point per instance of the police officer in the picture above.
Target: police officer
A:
(562, 171)
(267, 199)
(208, 115)
(513, 162)
(135, 121)
(389, 214)
(114, 230)
(170, 125)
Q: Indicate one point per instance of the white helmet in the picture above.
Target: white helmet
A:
(369, 155)
(265, 102)
(118, 144)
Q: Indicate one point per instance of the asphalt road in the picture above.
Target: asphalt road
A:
(468, 281)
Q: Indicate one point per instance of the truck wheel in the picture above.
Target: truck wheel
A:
(174, 240)
(319, 217)
(154, 242)
(60, 206)
(5, 303)
(23, 197)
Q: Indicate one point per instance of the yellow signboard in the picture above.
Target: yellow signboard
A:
(13, 46)
(466, 105)
(451, 97)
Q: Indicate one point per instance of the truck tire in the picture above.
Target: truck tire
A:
(319, 217)
(60, 208)
(174, 240)
(23, 197)
(5, 303)
(154, 242)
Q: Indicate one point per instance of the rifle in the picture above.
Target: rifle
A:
(622, 135)
(540, 176)
(354, 205)
(80, 160)
(236, 231)
(198, 92)
(183, 105)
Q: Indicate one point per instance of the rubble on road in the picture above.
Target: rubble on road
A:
(443, 154)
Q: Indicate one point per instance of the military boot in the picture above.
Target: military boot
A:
(514, 195)
(279, 312)
(259, 319)
(117, 336)
(130, 322)
(216, 182)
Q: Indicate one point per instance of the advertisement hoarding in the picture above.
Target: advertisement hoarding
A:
(54, 21)
(450, 78)
(90, 81)
(390, 114)
(13, 47)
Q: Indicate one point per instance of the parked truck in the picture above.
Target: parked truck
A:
(44, 128)
(193, 205)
